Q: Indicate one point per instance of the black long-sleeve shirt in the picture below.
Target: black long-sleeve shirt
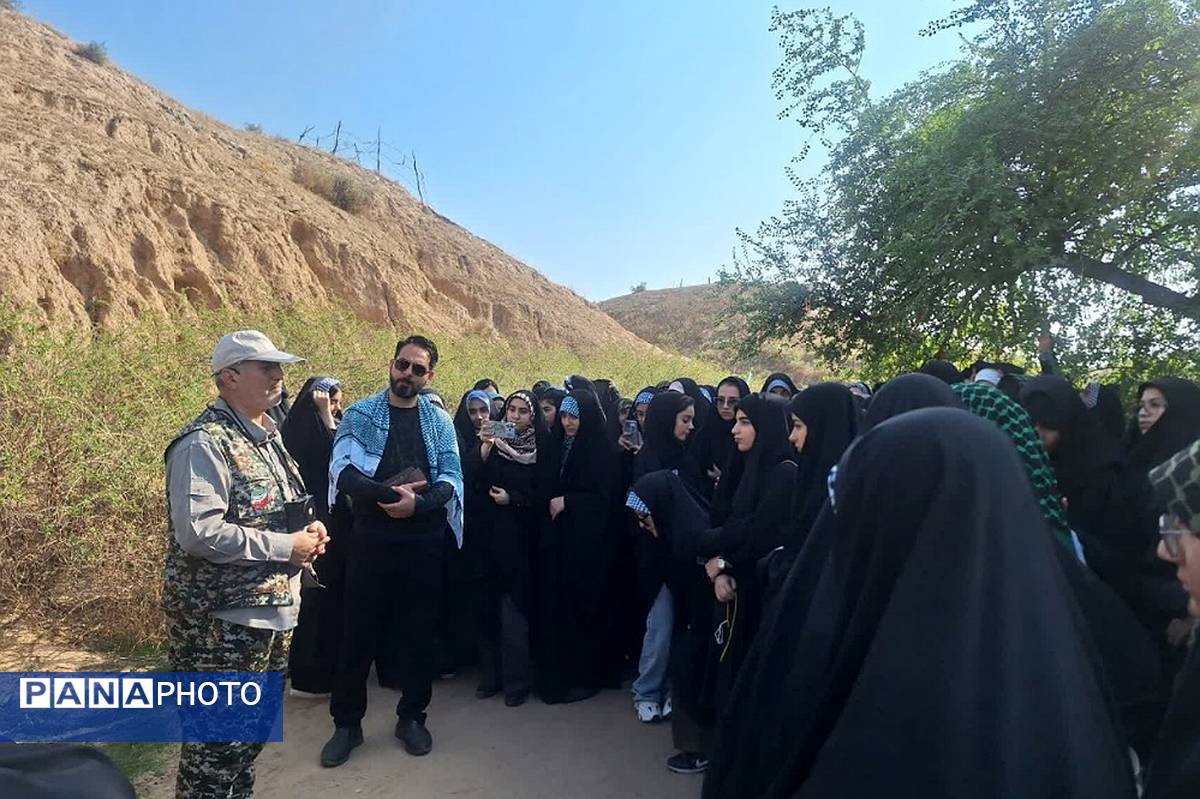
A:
(405, 449)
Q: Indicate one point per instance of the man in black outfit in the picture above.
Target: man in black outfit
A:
(394, 569)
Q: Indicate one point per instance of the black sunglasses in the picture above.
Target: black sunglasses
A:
(403, 365)
(727, 401)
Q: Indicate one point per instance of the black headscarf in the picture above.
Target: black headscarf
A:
(1108, 409)
(660, 448)
(934, 637)
(610, 403)
(719, 431)
(700, 442)
(830, 412)
(1084, 449)
(908, 393)
(945, 371)
(310, 442)
(771, 378)
(739, 490)
(591, 450)
(462, 416)
(679, 516)
(1178, 427)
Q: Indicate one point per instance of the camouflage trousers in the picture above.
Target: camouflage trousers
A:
(200, 642)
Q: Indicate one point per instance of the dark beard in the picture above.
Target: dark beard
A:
(404, 389)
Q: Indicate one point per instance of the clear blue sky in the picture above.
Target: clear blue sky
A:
(604, 143)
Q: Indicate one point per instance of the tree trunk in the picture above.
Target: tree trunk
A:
(1151, 292)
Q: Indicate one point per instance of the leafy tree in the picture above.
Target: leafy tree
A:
(1049, 178)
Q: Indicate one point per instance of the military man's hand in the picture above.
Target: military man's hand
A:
(305, 545)
(319, 528)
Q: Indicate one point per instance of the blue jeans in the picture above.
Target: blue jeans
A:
(651, 684)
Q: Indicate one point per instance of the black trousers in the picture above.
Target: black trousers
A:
(393, 592)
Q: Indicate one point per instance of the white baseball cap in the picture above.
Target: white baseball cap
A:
(248, 345)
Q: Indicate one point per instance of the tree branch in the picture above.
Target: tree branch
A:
(1107, 272)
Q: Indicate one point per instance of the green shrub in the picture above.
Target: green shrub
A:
(253, 127)
(95, 52)
(86, 416)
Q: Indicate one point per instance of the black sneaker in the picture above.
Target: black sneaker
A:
(486, 691)
(516, 698)
(336, 750)
(687, 763)
(416, 738)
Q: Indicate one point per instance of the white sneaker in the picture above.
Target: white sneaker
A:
(666, 709)
(647, 712)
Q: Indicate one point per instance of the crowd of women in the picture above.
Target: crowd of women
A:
(965, 583)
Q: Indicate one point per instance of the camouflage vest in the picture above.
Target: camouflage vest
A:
(193, 584)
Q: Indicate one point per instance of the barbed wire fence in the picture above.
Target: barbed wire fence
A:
(389, 159)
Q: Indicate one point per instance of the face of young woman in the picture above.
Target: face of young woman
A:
(1151, 406)
(336, 398)
(1187, 565)
(685, 423)
(479, 412)
(549, 413)
(799, 433)
(743, 433)
(727, 400)
(640, 412)
(781, 391)
(520, 414)
(1049, 438)
(570, 424)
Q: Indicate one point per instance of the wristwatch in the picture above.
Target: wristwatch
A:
(723, 566)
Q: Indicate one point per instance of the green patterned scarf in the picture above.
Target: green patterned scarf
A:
(993, 404)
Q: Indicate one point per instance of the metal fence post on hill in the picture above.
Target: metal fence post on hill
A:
(417, 174)
(337, 134)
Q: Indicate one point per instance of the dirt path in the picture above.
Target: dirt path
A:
(482, 749)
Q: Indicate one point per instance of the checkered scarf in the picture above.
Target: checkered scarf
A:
(363, 434)
(1177, 486)
(635, 504)
(993, 404)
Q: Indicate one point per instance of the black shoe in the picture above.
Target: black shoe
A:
(687, 763)
(516, 698)
(579, 694)
(416, 738)
(486, 691)
(336, 750)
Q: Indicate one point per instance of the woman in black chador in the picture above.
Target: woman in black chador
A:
(932, 649)
(506, 547)
(307, 432)
(578, 485)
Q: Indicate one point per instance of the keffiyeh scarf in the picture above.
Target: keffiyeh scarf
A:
(993, 404)
(362, 436)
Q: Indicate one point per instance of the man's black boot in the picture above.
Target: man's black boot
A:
(416, 738)
(336, 750)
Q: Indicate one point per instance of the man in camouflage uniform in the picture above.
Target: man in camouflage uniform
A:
(232, 584)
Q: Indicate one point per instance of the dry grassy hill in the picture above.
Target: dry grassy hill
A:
(701, 321)
(116, 201)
